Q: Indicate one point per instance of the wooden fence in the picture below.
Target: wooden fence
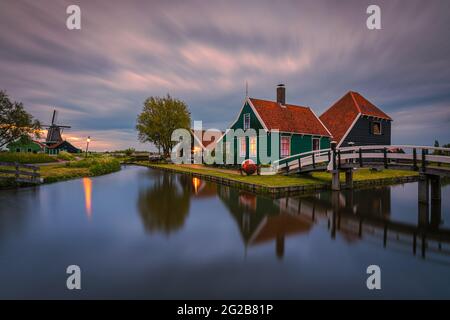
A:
(20, 172)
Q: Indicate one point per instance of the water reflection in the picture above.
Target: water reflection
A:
(164, 206)
(87, 187)
(353, 215)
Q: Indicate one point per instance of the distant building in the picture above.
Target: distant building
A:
(355, 120)
(25, 144)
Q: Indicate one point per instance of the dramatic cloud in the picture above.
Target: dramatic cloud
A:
(204, 51)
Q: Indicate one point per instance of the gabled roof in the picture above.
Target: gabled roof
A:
(288, 118)
(342, 115)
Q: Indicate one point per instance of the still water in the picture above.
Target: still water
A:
(142, 233)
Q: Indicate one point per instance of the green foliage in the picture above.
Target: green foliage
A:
(26, 157)
(159, 118)
(15, 122)
(64, 155)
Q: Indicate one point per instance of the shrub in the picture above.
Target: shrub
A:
(98, 165)
(64, 155)
(103, 166)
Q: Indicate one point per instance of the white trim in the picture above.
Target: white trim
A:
(349, 129)
(320, 122)
(304, 134)
(290, 140)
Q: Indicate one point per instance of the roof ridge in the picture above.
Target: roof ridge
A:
(354, 101)
(286, 104)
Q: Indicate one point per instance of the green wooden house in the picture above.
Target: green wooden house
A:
(300, 130)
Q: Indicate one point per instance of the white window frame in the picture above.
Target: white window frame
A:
(255, 141)
(312, 144)
(371, 128)
(242, 153)
(246, 117)
(281, 146)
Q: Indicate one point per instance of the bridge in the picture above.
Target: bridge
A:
(433, 163)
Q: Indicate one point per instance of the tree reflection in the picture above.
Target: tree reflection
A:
(164, 206)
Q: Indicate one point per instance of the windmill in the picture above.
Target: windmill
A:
(54, 131)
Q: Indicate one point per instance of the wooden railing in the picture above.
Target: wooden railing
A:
(415, 157)
(20, 172)
(407, 156)
(298, 161)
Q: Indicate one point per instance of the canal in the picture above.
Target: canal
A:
(143, 233)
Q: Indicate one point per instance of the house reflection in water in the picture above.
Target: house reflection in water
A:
(87, 187)
(353, 215)
(261, 219)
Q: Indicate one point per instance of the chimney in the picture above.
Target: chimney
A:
(281, 94)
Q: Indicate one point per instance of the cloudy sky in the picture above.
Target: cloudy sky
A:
(203, 52)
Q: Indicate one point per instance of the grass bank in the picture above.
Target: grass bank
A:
(293, 183)
(26, 157)
(70, 170)
(89, 167)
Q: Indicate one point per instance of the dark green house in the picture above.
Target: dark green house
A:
(26, 144)
(300, 130)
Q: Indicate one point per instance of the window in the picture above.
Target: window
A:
(285, 146)
(316, 143)
(29, 149)
(227, 147)
(246, 121)
(252, 146)
(376, 127)
(242, 147)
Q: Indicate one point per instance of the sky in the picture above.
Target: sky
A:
(203, 52)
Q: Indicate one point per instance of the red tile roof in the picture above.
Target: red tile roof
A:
(289, 118)
(341, 115)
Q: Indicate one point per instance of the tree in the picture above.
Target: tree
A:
(436, 145)
(159, 118)
(15, 122)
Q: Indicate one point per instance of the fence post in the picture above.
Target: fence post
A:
(313, 161)
(299, 165)
(287, 167)
(339, 159)
(424, 164)
(415, 168)
(360, 157)
(16, 165)
(329, 156)
(333, 147)
(385, 158)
